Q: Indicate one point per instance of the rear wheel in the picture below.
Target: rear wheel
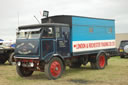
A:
(54, 68)
(101, 62)
(23, 71)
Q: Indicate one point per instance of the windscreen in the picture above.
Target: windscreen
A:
(29, 33)
(43, 32)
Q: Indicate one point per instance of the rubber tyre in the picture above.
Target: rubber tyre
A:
(101, 62)
(11, 59)
(54, 68)
(3, 58)
(23, 71)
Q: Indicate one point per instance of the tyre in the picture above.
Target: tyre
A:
(3, 58)
(126, 48)
(101, 62)
(11, 59)
(54, 68)
(23, 71)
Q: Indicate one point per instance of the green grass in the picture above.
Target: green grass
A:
(116, 73)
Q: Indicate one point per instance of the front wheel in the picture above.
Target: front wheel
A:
(54, 68)
(23, 71)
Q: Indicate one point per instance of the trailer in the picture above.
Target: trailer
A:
(61, 41)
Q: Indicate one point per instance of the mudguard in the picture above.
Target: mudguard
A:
(48, 58)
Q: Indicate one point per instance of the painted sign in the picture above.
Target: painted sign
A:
(79, 46)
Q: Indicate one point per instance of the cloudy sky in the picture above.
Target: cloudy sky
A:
(27, 9)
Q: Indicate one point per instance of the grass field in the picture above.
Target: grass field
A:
(116, 73)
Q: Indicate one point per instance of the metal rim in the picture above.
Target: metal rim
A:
(55, 68)
(102, 61)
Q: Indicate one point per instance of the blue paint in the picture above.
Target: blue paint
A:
(35, 42)
(13, 45)
(91, 21)
(1, 40)
(54, 49)
(81, 26)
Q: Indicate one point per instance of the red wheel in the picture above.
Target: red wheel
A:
(54, 68)
(101, 61)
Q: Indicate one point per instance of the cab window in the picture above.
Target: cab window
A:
(48, 32)
(58, 34)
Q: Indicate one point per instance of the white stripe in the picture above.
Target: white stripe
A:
(79, 46)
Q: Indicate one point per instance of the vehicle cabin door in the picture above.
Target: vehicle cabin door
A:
(63, 41)
(47, 42)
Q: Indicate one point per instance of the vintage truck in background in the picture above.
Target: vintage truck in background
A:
(61, 41)
(7, 51)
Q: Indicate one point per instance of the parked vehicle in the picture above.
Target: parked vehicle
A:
(62, 41)
(7, 51)
(123, 49)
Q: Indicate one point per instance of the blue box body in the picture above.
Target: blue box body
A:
(103, 32)
(80, 29)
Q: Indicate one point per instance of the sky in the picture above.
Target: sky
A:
(14, 13)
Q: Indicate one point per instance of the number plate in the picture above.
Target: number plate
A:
(121, 50)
